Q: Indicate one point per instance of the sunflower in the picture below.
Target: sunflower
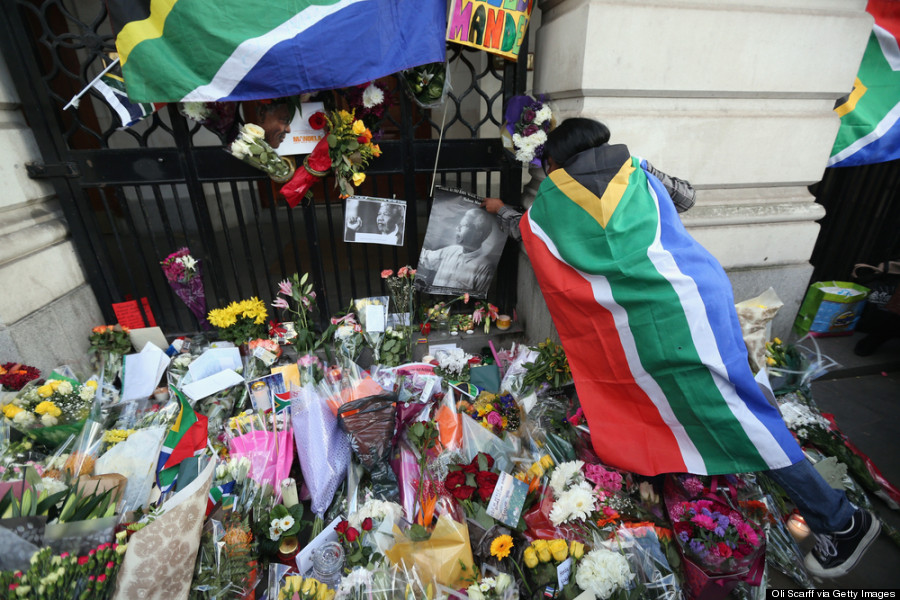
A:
(501, 546)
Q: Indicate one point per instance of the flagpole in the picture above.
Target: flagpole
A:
(77, 97)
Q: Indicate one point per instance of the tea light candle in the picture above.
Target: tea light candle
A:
(798, 528)
(503, 322)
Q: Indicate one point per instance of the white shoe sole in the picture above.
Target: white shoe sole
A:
(814, 568)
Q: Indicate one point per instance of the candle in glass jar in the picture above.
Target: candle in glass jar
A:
(798, 528)
(289, 492)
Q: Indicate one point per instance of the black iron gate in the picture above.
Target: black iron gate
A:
(133, 196)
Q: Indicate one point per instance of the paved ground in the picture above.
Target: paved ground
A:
(864, 396)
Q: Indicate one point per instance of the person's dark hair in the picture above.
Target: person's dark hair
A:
(264, 106)
(573, 136)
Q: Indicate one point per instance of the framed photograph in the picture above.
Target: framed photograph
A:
(462, 246)
(374, 221)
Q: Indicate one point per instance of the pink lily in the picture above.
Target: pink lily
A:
(286, 287)
(280, 303)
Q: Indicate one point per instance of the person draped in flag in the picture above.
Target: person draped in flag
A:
(646, 316)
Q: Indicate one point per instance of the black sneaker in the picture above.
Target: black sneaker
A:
(836, 554)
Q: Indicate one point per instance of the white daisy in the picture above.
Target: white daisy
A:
(372, 96)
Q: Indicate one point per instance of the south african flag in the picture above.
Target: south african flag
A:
(646, 317)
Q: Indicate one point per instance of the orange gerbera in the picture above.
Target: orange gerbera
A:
(501, 546)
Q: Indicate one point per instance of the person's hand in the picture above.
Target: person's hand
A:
(354, 223)
(492, 205)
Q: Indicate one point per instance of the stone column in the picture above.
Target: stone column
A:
(47, 309)
(735, 97)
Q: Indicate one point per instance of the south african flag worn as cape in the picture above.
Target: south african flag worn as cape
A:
(646, 317)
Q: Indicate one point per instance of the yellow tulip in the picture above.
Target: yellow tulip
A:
(576, 549)
(358, 178)
(559, 549)
(546, 461)
(536, 470)
(531, 559)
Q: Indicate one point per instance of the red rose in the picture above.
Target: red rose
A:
(472, 467)
(362, 139)
(487, 457)
(723, 549)
(454, 479)
(342, 526)
(367, 524)
(352, 534)
(317, 120)
(463, 492)
(486, 481)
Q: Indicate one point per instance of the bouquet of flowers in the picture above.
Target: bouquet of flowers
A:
(14, 376)
(370, 101)
(528, 120)
(348, 337)
(486, 312)
(299, 289)
(252, 148)
(393, 349)
(310, 588)
(401, 289)
(56, 402)
(542, 558)
(182, 271)
(550, 366)
(218, 117)
(240, 322)
(498, 413)
(351, 148)
(453, 364)
(109, 345)
(428, 85)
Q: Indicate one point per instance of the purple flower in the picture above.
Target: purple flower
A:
(684, 536)
(697, 547)
(528, 115)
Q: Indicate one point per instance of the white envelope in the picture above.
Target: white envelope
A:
(142, 372)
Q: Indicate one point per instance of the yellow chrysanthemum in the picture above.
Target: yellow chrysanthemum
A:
(47, 408)
(501, 546)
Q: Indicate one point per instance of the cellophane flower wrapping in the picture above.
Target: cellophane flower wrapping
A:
(185, 277)
(649, 563)
(476, 438)
(441, 558)
(270, 452)
(136, 459)
(160, 559)
(719, 545)
(323, 449)
(370, 423)
(406, 468)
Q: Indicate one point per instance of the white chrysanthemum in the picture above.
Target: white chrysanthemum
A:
(565, 474)
(543, 115)
(377, 510)
(195, 110)
(344, 332)
(575, 503)
(372, 96)
(64, 388)
(359, 579)
(602, 572)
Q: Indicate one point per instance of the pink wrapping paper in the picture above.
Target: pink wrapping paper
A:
(271, 455)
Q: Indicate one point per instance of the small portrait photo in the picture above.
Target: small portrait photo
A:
(374, 221)
(462, 246)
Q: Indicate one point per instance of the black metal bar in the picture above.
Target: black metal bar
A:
(157, 252)
(276, 230)
(226, 233)
(315, 258)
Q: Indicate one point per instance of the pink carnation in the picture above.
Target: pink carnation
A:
(605, 480)
(387, 273)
